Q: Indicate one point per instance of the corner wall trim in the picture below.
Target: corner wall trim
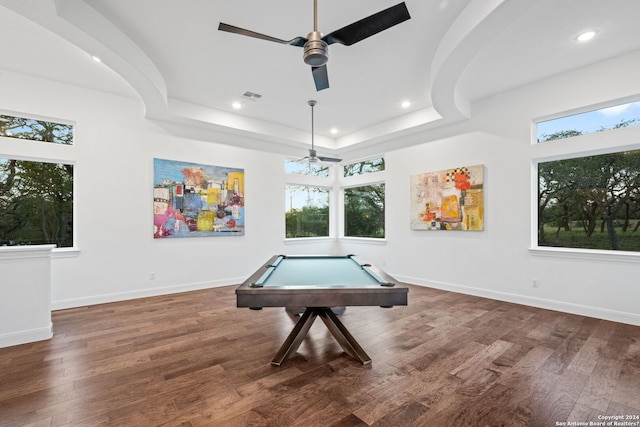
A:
(26, 336)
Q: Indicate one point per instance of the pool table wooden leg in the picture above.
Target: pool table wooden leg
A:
(335, 326)
(342, 335)
(293, 341)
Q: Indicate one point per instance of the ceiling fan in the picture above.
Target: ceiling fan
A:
(313, 155)
(316, 46)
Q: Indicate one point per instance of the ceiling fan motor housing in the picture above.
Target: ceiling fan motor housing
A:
(316, 50)
(313, 156)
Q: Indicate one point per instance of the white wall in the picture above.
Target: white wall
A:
(497, 262)
(113, 156)
(115, 147)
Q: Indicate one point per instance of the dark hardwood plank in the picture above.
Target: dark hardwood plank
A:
(446, 359)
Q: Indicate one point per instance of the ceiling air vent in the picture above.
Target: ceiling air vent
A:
(251, 96)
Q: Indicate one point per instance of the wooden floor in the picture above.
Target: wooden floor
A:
(447, 359)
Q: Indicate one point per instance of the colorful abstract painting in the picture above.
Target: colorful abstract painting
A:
(194, 200)
(450, 199)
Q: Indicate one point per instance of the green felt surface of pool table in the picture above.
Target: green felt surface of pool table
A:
(324, 271)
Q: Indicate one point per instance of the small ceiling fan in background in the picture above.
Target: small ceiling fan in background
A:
(316, 46)
(313, 155)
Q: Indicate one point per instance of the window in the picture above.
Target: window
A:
(36, 197)
(307, 196)
(590, 202)
(364, 211)
(307, 213)
(36, 130)
(306, 168)
(364, 199)
(36, 203)
(599, 120)
(364, 167)
(308, 193)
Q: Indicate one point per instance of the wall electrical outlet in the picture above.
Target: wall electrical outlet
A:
(152, 276)
(535, 283)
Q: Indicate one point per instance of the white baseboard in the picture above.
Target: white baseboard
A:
(27, 336)
(599, 313)
(565, 307)
(141, 293)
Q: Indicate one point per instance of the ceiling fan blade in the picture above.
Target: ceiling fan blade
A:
(298, 160)
(329, 159)
(320, 77)
(369, 26)
(298, 41)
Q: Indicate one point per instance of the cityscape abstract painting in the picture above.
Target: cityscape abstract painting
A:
(194, 200)
(450, 199)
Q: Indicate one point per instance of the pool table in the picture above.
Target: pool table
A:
(319, 283)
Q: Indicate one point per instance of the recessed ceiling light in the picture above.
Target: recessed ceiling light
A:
(587, 35)
(334, 131)
(405, 104)
(236, 105)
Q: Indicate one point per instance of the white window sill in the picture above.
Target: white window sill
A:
(65, 253)
(586, 254)
(364, 240)
(305, 240)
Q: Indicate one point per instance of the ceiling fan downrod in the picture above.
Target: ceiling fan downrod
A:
(316, 50)
(313, 156)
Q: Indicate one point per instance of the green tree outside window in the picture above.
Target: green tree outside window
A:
(364, 211)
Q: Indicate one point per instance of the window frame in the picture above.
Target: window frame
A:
(575, 112)
(30, 150)
(589, 144)
(354, 181)
(343, 213)
(66, 249)
(327, 182)
(354, 162)
(329, 192)
(36, 117)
